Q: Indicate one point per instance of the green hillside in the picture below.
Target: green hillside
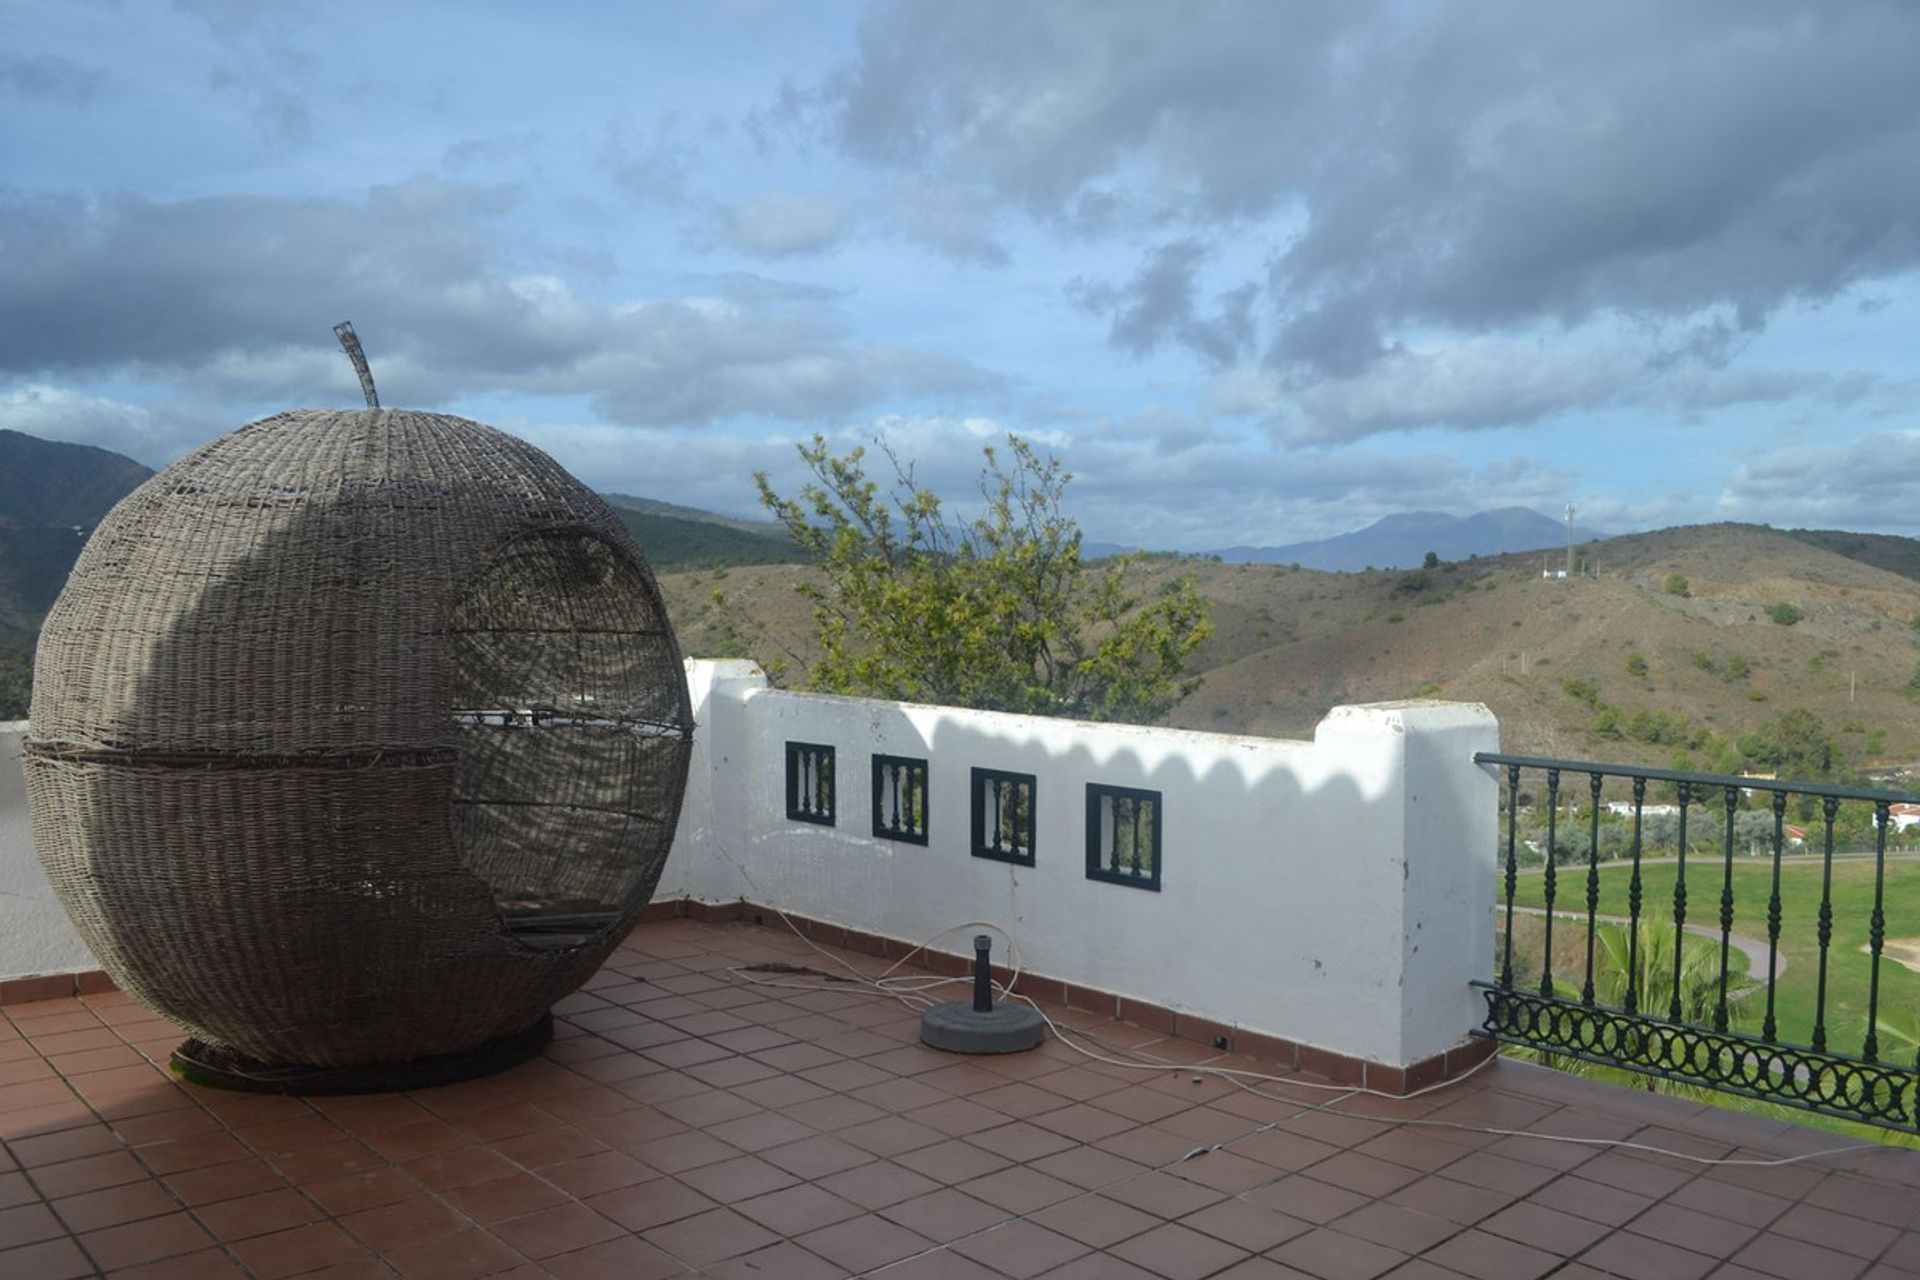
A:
(676, 542)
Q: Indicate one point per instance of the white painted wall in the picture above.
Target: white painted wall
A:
(1336, 892)
(35, 938)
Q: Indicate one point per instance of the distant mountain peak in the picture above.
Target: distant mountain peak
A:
(1402, 540)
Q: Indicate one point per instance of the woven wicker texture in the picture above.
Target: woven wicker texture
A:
(357, 737)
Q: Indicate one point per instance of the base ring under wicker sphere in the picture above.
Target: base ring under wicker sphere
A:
(200, 1063)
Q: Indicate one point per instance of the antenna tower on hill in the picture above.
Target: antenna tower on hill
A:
(1569, 539)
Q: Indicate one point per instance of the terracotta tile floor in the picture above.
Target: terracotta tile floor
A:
(688, 1122)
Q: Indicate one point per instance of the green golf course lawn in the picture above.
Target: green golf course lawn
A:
(1848, 964)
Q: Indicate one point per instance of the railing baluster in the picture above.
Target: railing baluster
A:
(1133, 806)
(1633, 903)
(997, 789)
(1726, 909)
(1829, 808)
(1593, 878)
(1679, 901)
(1769, 1027)
(1877, 930)
(1553, 818)
(1513, 867)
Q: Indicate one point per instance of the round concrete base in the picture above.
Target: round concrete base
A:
(1009, 1028)
(221, 1068)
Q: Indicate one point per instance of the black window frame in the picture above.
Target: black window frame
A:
(915, 771)
(825, 767)
(977, 795)
(1098, 794)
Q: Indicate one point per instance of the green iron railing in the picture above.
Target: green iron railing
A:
(1664, 993)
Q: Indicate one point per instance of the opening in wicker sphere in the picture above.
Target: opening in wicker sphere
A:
(357, 738)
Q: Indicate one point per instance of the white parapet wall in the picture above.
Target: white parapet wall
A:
(35, 938)
(1335, 893)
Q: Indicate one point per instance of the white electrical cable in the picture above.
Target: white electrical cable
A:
(912, 996)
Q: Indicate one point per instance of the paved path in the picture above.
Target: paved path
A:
(1755, 949)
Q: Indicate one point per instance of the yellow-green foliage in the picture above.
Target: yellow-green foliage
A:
(998, 613)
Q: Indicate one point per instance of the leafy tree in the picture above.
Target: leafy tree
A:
(1432, 561)
(1677, 585)
(1795, 745)
(999, 613)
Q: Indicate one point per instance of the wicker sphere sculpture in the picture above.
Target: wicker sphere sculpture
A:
(358, 738)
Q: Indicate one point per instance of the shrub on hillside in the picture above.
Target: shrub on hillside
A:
(1677, 585)
(1582, 691)
(1784, 614)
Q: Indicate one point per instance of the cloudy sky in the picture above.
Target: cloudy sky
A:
(1258, 272)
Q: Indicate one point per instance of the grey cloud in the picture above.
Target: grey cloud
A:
(1680, 172)
(153, 434)
(234, 296)
(781, 224)
(1870, 482)
(488, 152)
(51, 78)
(953, 220)
(266, 61)
(650, 164)
(1167, 430)
(1126, 488)
(750, 289)
(1041, 101)
(1157, 306)
(678, 363)
(1495, 381)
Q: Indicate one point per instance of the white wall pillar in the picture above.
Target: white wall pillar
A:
(1442, 823)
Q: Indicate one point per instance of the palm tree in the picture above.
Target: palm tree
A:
(1644, 965)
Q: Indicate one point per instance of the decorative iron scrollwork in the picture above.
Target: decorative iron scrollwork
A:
(1875, 1093)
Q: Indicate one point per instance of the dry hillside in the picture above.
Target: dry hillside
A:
(1292, 643)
